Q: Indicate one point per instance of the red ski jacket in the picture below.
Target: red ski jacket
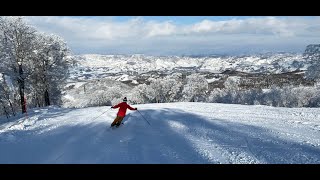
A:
(123, 108)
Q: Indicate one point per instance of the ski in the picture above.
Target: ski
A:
(115, 127)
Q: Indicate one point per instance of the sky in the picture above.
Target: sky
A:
(177, 133)
(182, 35)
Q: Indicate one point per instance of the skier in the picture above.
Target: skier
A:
(122, 112)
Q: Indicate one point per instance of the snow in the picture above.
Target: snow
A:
(134, 82)
(75, 84)
(197, 133)
(124, 77)
(212, 80)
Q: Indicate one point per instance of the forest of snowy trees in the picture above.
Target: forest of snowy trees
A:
(192, 88)
(33, 67)
(195, 89)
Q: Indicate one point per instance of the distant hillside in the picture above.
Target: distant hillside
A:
(267, 69)
(262, 63)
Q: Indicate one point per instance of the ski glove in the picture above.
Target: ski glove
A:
(136, 108)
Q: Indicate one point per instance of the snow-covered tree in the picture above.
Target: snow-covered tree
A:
(50, 69)
(217, 95)
(232, 83)
(164, 89)
(312, 54)
(6, 96)
(34, 63)
(172, 87)
(229, 94)
(314, 100)
(17, 46)
(139, 95)
(167, 89)
(195, 89)
(100, 92)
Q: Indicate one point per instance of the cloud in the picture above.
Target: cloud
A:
(160, 29)
(258, 26)
(136, 35)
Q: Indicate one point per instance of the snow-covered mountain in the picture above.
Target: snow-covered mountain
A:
(139, 69)
(106, 65)
(193, 133)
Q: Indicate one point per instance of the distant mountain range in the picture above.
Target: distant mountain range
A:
(95, 66)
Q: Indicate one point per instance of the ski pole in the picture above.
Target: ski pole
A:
(99, 115)
(144, 118)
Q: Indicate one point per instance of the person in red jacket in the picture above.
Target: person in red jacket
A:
(122, 112)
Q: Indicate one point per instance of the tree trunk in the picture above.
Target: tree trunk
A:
(38, 101)
(46, 98)
(192, 99)
(21, 89)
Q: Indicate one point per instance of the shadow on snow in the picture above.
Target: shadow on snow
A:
(174, 137)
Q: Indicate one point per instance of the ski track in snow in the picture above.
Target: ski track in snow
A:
(192, 133)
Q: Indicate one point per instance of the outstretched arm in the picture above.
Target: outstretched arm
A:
(131, 108)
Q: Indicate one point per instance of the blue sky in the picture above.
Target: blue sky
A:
(177, 35)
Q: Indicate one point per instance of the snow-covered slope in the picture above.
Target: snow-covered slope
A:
(179, 133)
